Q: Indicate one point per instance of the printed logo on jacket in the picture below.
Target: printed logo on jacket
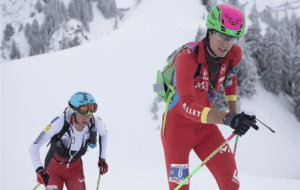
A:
(191, 111)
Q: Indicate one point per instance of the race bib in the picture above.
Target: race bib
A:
(178, 172)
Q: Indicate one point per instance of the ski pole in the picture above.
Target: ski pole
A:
(98, 181)
(236, 143)
(204, 162)
(265, 125)
(36, 186)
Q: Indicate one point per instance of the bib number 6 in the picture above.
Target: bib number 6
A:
(180, 172)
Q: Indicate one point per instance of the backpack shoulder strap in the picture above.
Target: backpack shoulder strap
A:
(199, 66)
(62, 131)
(198, 71)
(92, 123)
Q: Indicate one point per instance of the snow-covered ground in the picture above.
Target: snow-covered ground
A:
(119, 70)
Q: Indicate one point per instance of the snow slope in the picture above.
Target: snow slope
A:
(119, 71)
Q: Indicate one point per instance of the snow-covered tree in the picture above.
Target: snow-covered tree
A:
(296, 60)
(20, 27)
(287, 46)
(292, 27)
(247, 75)
(39, 6)
(55, 13)
(154, 108)
(273, 62)
(35, 28)
(201, 33)
(8, 32)
(209, 4)
(220, 101)
(266, 16)
(82, 11)
(15, 53)
(108, 8)
(298, 31)
(36, 42)
(254, 38)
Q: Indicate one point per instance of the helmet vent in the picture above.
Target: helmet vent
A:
(222, 21)
(238, 32)
(223, 28)
(210, 22)
(241, 26)
(218, 8)
(220, 17)
(213, 15)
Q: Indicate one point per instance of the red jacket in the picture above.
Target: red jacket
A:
(190, 103)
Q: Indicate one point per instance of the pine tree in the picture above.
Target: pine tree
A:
(14, 51)
(20, 27)
(220, 101)
(36, 41)
(8, 32)
(154, 108)
(247, 75)
(293, 28)
(298, 32)
(296, 60)
(287, 46)
(273, 62)
(253, 39)
(268, 18)
(234, 3)
(39, 6)
(35, 28)
(82, 11)
(201, 33)
(108, 8)
(209, 4)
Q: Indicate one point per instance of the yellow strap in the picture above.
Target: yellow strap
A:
(230, 98)
(204, 114)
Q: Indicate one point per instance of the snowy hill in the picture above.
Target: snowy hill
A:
(42, 26)
(119, 70)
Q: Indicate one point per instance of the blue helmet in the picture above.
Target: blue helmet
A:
(80, 99)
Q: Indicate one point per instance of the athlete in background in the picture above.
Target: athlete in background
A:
(70, 134)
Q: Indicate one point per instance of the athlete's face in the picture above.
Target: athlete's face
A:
(219, 46)
(82, 120)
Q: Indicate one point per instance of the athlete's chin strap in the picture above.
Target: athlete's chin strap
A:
(75, 119)
(211, 51)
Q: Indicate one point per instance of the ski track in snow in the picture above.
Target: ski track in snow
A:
(119, 70)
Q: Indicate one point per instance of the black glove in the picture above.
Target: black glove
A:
(103, 167)
(240, 122)
(42, 176)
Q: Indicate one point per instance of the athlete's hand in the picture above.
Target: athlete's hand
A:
(240, 122)
(42, 176)
(102, 166)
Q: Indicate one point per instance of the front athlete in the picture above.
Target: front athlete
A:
(70, 134)
(190, 123)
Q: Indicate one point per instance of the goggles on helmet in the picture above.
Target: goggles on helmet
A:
(85, 109)
(222, 37)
